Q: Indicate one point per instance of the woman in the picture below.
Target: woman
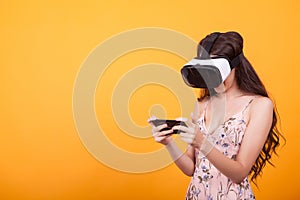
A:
(243, 143)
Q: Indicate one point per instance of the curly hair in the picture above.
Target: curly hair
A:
(230, 44)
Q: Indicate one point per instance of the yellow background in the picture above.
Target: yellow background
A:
(43, 44)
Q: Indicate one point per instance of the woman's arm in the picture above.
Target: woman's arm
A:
(260, 120)
(258, 127)
(185, 161)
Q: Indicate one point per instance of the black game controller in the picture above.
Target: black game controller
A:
(170, 123)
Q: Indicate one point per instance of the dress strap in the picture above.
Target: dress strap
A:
(248, 104)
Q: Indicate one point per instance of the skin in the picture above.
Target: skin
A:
(258, 117)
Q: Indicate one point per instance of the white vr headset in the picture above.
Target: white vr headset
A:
(208, 72)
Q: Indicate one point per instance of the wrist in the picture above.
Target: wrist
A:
(204, 142)
(167, 141)
(206, 146)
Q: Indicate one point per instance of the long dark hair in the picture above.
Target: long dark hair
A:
(230, 44)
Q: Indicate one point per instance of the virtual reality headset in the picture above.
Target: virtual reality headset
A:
(209, 72)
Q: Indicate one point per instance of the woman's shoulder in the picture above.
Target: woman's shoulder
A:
(261, 103)
(262, 100)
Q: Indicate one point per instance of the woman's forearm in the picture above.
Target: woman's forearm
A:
(186, 165)
(182, 160)
(233, 169)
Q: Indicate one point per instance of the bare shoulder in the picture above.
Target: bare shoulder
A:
(261, 106)
(263, 103)
(260, 118)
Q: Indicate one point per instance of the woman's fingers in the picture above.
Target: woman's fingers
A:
(181, 128)
(186, 137)
(189, 129)
(183, 119)
(158, 128)
(151, 118)
(190, 133)
(162, 133)
(160, 136)
(187, 134)
(190, 124)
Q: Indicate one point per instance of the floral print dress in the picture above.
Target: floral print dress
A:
(208, 183)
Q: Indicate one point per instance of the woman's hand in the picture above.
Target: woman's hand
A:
(185, 161)
(163, 137)
(191, 134)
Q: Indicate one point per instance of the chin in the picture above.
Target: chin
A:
(220, 89)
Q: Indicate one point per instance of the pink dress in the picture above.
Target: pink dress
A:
(208, 183)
